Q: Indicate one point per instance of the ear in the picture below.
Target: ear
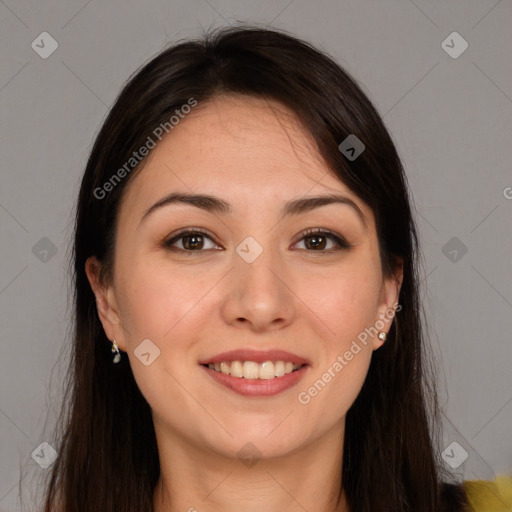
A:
(388, 305)
(105, 303)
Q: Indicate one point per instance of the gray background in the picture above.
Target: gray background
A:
(451, 119)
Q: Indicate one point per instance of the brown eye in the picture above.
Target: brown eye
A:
(191, 241)
(316, 240)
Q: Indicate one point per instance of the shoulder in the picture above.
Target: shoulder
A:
(490, 496)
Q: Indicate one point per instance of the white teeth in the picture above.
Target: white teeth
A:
(237, 369)
(266, 370)
(224, 368)
(279, 369)
(251, 370)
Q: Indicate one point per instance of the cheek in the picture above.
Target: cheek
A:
(333, 387)
(346, 300)
(347, 303)
(157, 306)
(154, 301)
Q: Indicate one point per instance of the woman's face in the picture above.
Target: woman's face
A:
(256, 281)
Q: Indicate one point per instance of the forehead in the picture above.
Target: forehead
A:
(250, 148)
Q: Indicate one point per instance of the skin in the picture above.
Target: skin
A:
(255, 155)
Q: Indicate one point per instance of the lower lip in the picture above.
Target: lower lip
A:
(257, 387)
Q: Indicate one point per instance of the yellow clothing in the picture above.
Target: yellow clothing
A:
(487, 496)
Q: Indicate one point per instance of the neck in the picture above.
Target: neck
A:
(195, 479)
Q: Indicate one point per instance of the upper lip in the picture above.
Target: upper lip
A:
(258, 356)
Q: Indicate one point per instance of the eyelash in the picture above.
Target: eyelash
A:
(340, 241)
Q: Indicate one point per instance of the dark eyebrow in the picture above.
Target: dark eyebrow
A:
(217, 205)
(306, 204)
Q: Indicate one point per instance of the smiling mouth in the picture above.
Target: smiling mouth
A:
(251, 370)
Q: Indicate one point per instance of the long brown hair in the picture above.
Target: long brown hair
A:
(107, 453)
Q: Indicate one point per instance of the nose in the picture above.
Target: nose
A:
(260, 295)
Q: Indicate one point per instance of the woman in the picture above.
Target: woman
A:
(246, 249)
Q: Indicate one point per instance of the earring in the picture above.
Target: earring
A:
(115, 348)
(382, 336)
